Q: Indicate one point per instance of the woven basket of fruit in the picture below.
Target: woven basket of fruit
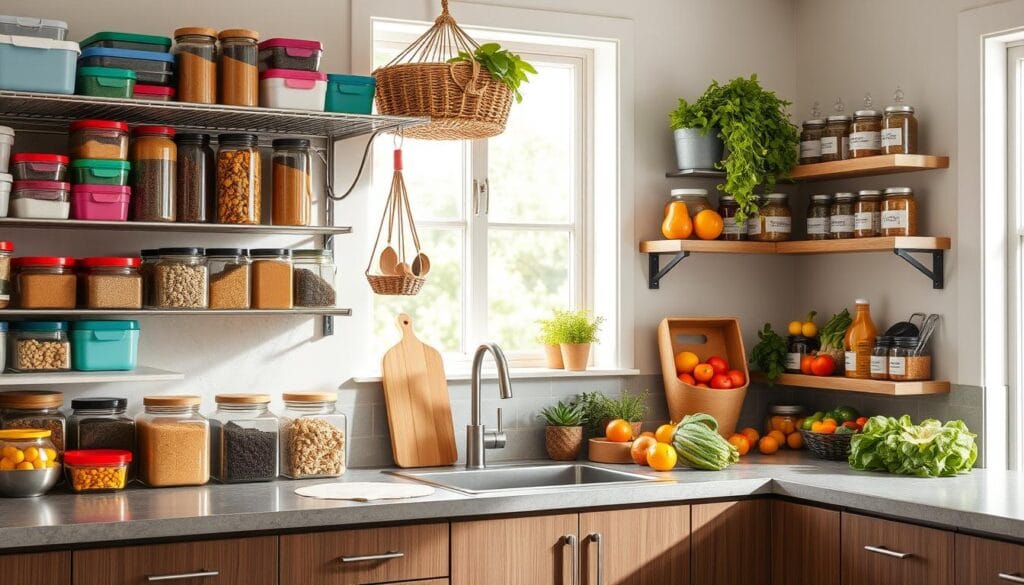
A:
(833, 447)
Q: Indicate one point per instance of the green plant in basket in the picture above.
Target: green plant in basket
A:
(562, 414)
(504, 66)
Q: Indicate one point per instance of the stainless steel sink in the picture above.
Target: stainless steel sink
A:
(520, 478)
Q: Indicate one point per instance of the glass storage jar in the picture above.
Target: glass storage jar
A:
(784, 418)
(272, 278)
(899, 212)
(696, 200)
(32, 455)
(110, 283)
(810, 141)
(173, 442)
(866, 134)
(195, 63)
(35, 409)
(98, 139)
(899, 130)
(197, 179)
(313, 436)
(315, 278)
(238, 179)
(818, 217)
(880, 358)
(179, 279)
(100, 423)
(35, 346)
(97, 470)
(835, 140)
(755, 223)
(154, 171)
(6, 250)
(798, 346)
(775, 218)
(230, 278)
(733, 230)
(841, 216)
(238, 71)
(867, 214)
(292, 170)
(3, 346)
(906, 363)
(244, 439)
(45, 282)
(147, 258)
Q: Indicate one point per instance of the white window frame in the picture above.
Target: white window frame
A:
(1015, 246)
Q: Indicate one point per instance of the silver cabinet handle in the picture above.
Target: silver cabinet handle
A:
(1012, 578)
(889, 553)
(596, 539)
(573, 543)
(196, 575)
(391, 554)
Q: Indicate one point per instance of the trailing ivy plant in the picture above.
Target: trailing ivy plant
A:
(503, 65)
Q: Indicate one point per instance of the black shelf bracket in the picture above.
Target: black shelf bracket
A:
(654, 270)
(936, 273)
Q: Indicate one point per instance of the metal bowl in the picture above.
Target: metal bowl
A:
(26, 483)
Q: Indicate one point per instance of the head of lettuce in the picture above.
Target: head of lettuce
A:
(928, 449)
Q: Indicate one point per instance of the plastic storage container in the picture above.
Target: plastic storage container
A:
(350, 94)
(293, 90)
(272, 278)
(105, 82)
(237, 71)
(40, 200)
(99, 346)
(6, 183)
(100, 202)
(292, 171)
(230, 278)
(87, 171)
(98, 139)
(35, 166)
(154, 174)
(29, 466)
(295, 54)
(244, 439)
(195, 59)
(111, 282)
(97, 470)
(313, 436)
(27, 26)
(35, 409)
(315, 276)
(239, 174)
(6, 282)
(45, 282)
(173, 442)
(6, 142)
(179, 279)
(149, 67)
(124, 40)
(100, 423)
(159, 93)
(197, 179)
(34, 64)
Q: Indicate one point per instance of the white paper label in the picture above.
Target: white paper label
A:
(879, 364)
(842, 224)
(778, 225)
(895, 219)
(829, 145)
(733, 227)
(817, 226)
(867, 221)
(851, 361)
(754, 226)
(892, 137)
(793, 361)
(865, 141)
(898, 366)
(810, 149)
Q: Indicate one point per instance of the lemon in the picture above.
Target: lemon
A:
(809, 329)
(795, 327)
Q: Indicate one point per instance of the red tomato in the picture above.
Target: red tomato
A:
(721, 382)
(718, 363)
(823, 365)
(851, 424)
(702, 385)
(737, 377)
(704, 372)
(805, 364)
(687, 378)
(862, 421)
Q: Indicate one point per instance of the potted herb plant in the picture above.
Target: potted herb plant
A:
(563, 435)
(548, 338)
(698, 145)
(574, 331)
(598, 410)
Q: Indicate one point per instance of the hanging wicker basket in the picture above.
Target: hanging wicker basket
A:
(462, 100)
(401, 273)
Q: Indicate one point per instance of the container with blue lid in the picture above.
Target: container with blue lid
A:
(105, 82)
(350, 94)
(104, 345)
(150, 67)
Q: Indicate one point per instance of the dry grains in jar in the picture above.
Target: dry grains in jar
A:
(110, 283)
(195, 63)
(39, 346)
(841, 218)
(776, 219)
(899, 212)
(313, 436)
(154, 174)
(34, 409)
(230, 277)
(866, 134)
(867, 214)
(238, 71)
(238, 179)
(292, 171)
(179, 279)
(272, 277)
(835, 140)
(197, 179)
(173, 442)
(45, 282)
(810, 141)
(899, 130)
(818, 217)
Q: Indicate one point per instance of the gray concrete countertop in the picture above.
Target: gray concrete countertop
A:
(983, 501)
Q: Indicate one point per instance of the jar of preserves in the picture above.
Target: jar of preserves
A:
(841, 219)
(272, 278)
(867, 214)
(776, 219)
(230, 277)
(195, 63)
(734, 230)
(197, 178)
(32, 453)
(899, 212)
(36, 346)
(899, 130)
(315, 277)
(244, 446)
(110, 283)
(313, 436)
(179, 279)
(696, 200)
(45, 282)
(100, 423)
(35, 409)
(784, 418)
(835, 140)
(238, 71)
(97, 470)
(154, 157)
(238, 179)
(810, 141)
(98, 139)
(6, 250)
(818, 217)
(880, 358)
(798, 347)
(292, 171)
(866, 134)
(173, 442)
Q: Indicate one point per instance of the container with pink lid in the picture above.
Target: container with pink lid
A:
(40, 200)
(297, 54)
(39, 166)
(100, 202)
(293, 90)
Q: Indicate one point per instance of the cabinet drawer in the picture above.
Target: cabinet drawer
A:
(373, 555)
(49, 568)
(883, 551)
(980, 561)
(237, 561)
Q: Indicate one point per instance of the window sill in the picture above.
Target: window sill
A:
(520, 374)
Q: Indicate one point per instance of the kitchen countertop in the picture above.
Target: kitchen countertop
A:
(987, 502)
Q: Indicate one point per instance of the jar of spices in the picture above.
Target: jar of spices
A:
(905, 363)
(45, 282)
(313, 436)
(880, 358)
(98, 139)
(272, 277)
(867, 214)
(899, 130)
(34, 409)
(835, 139)
(841, 218)
(866, 134)
(733, 230)
(37, 346)
(110, 283)
(6, 250)
(154, 174)
(197, 178)
(244, 446)
(315, 276)
(783, 418)
(173, 442)
(810, 141)
(776, 219)
(179, 279)
(899, 212)
(818, 217)
(238, 179)
(798, 347)
(696, 200)
(195, 63)
(292, 182)
(230, 278)
(100, 423)
(238, 71)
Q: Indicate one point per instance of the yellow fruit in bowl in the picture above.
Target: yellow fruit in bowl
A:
(708, 225)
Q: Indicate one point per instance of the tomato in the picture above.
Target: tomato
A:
(703, 372)
(687, 379)
(741, 442)
(701, 385)
(805, 364)
(639, 449)
(665, 433)
(718, 363)
(823, 365)
(737, 377)
(851, 424)
(861, 421)
(721, 382)
(618, 431)
(661, 457)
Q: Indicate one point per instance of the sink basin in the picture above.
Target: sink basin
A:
(520, 478)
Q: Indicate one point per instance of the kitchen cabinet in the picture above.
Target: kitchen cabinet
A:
(982, 561)
(644, 546)
(805, 544)
(235, 561)
(884, 551)
(730, 543)
(537, 550)
(48, 568)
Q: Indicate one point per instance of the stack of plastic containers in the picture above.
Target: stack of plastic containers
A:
(34, 55)
(41, 187)
(120, 64)
(290, 74)
(99, 170)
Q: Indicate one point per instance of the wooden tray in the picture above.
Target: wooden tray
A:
(602, 451)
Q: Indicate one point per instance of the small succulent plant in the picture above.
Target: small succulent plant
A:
(563, 414)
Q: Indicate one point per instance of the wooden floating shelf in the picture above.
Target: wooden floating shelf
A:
(869, 166)
(706, 247)
(140, 374)
(883, 387)
(802, 247)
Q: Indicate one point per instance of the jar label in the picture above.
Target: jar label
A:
(865, 141)
(842, 224)
(793, 361)
(851, 361)
(817, 226)
(829, 145)
(898, 366)
(879, 364)
(810, 149)
(754, 226)
(846, 147)
(892, 137)
(867, 221)
(895, 219)
(778, 225)
(733, 227)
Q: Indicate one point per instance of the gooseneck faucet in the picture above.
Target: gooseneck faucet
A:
(478, 439)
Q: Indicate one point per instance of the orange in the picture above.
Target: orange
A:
(686, 361)
(708, 225)
(780, 439)
(618, 431)
(677, 224)
(639, 449)
(665, 433)
(703, 372)
(661, 457)
(828, 427)
(816, 426)
(795, 441)
(752, 435)
(768, 445)
(741, 443)
(647, 434)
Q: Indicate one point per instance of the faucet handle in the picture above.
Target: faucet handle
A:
(495, 439)
(499, 419)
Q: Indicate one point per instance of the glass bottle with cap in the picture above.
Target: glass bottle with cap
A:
(841, 217)
(835, 139)
(867, 214)
(899, 212)
(866, 133)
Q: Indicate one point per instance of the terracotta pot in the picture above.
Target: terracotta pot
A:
(575, 356)
(553, 355)
(563, 443)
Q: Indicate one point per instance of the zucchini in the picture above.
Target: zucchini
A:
(699, 445)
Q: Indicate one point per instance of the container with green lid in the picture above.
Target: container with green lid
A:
(131, 41)
(104, 345)
(105, 82)
(94, 171)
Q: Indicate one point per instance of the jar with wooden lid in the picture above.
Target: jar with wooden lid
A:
(867, 214)
(775, 218)
(835, 139)
(819, 213)
(899, 130)
(35, 409)
(810, 141)
(244, 439)
(696, 200)
(866, 134)
(313, 436)
(272, 275)
(734, 230)
(195, 64)
(238, 67)
(841, 218)
(899, 212)
(173, 442)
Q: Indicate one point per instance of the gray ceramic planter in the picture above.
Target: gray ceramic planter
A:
(694, 151)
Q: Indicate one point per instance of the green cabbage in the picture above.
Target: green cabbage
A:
(928, 449)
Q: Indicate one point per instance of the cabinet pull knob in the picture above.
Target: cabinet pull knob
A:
(573, 543)
(889, 553)
(1011, 577)
(391, 554)
(596, 539)
(196, 575)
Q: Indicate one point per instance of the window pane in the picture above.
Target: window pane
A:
(528, 276)
(434, 174)
(532, 166)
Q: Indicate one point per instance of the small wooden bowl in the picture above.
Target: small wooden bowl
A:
(602, 451)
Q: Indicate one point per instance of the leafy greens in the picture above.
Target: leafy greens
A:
(928, 449)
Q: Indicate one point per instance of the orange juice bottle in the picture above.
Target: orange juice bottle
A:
(859, 341)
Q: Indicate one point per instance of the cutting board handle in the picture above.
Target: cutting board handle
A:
(404, 323)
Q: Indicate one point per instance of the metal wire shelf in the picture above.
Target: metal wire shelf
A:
(151, 226)
(87, 313)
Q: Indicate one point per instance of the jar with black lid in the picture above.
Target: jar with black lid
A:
(835, 140)
(734, 230)
(292, 170)
(841, 218)
(230, 277)
(899, 130)
(100, 423)
(810, 141)
(866, 134)
(197, 176)
(818, 217)
(880, 358)
(867, 214)
(239, 176)
(798, 347)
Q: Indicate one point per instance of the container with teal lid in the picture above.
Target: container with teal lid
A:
(350, 94)
(126, 40)
(105, 82)
(104, 345)
(35, 346)
(96, 171)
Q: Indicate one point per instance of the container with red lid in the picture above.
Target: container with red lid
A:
(298, 54)
(110, 282)
(293, 90)
(99, 139)
(41, 200)
(6, 249)
(159, 93)
(45, 282)
(100, 202)
(97, 470)
(40, 166)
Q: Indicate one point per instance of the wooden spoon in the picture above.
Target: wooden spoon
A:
(388, 261)
(421, 264)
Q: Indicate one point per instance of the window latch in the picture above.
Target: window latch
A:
(481, 197)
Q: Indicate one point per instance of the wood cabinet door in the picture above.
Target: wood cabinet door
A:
(885, 552)
(370, 555)
(48, 568)
(537, 550)
(805, 545)
(645, 546)
(235, 561)
(980, 561)
(729, 543)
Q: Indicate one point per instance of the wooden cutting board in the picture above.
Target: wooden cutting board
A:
(419, 410)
